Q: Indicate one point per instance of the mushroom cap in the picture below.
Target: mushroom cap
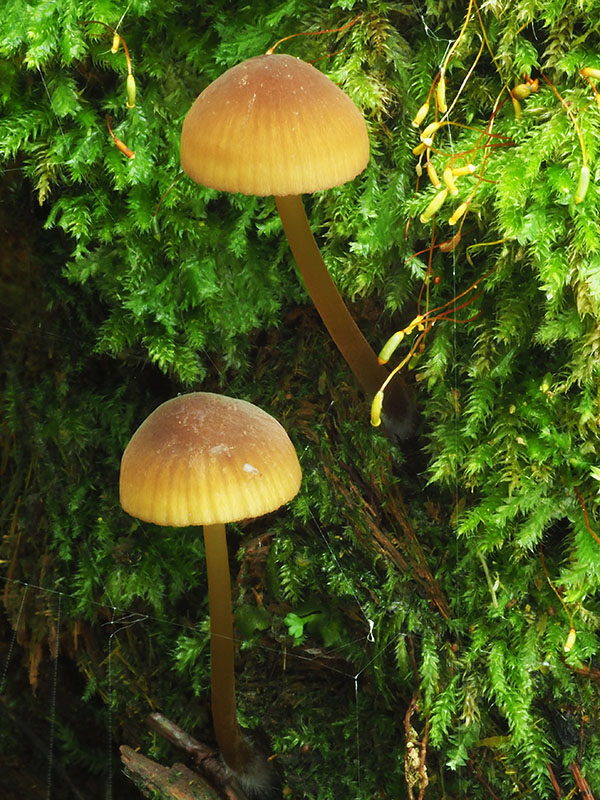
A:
(273, 125)
(202, 459)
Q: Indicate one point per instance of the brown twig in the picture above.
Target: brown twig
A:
(413, 658)
(409, 734)
(581, 782)
(592, 674)
(585, 516)
(554, 781)
(204, 758)
(211, 781)
(415, 768)
(482, 780)
(422, 764)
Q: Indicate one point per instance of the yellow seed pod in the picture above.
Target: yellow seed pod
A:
(458, 213)
(434, 206)
(418, 169)
(388, 348)
(414, 360)
(376, 407)
(130, 91)
(591, 72)
(115, 42)
(582, 186)
(433, 176)
(416, 323)
(451, 244)
(570, 640)
(420, 148)
(521, 91)
(516, 106)
(450, 182)
(468, 169)
(428, 133)
(440, 93)
(420, 115)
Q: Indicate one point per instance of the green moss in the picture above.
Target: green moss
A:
(123, 283)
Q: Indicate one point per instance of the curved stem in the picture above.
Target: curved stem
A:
(398, 410)
(343, 329)
(235, 750)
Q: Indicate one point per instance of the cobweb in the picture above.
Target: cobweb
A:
(58, 604)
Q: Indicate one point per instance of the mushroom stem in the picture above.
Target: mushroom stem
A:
(234, 748)
(343, 329)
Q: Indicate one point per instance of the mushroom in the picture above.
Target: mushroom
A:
(275, 125)
(206, 459)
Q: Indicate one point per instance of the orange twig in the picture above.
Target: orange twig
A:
(271, 50)
(592, 674)
(164, 194)
(114, 33)
(121, 145)
(585, 516)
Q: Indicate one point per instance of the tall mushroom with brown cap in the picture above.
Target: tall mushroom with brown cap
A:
(205, 459)
(275, 125)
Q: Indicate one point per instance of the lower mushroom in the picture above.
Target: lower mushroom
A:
(205, 459)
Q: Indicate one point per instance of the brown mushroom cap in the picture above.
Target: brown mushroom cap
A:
(273, 125)
(202, 458)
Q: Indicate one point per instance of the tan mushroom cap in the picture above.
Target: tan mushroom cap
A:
(202, 458)
(273, 125)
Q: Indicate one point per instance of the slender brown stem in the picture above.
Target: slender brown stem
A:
(554, 781)
(581, 782)
(339, 322)
(235, 750)
(398, 409)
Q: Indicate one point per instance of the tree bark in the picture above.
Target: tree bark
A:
(171, 783)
